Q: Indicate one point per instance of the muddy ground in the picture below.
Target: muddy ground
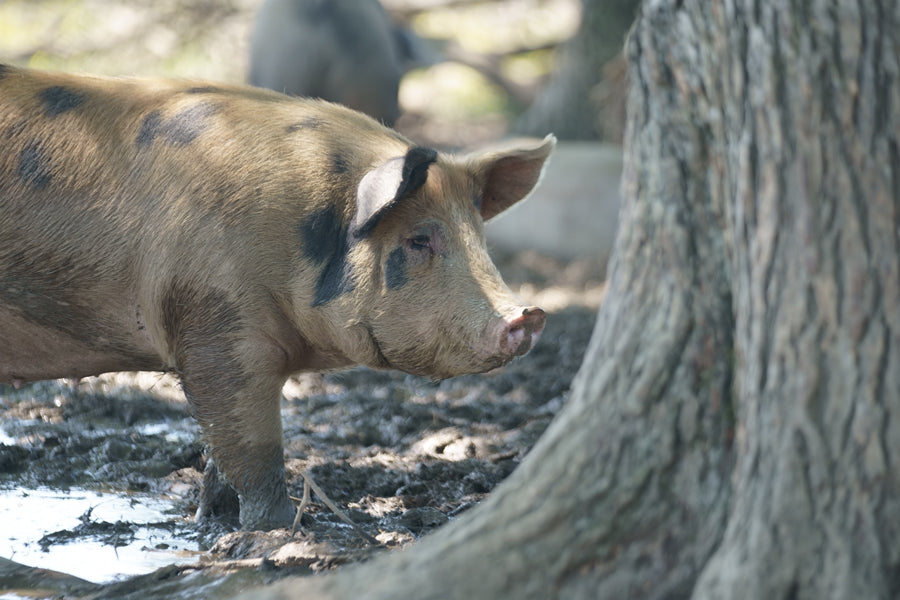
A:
(401, 455)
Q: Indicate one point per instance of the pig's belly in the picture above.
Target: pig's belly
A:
(32, 352)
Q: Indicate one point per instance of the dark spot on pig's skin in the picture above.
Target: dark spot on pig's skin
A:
(323, 236)
(184, 127)
(34, 165)
(203, 329)
(58, 100)
(150, 127)
(320, 233)
(339, 164)
(307, 123)
(395, 270)
(336, 277)
(203, 90)
(180, 129)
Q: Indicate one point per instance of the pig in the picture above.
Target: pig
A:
(234, 236)
(346, 51)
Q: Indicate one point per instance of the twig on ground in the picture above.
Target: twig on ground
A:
(308, 481)
(300, 509)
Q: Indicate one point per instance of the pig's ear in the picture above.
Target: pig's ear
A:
(387, 183)
(508, 175)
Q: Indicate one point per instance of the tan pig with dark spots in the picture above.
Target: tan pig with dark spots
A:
(235, 236)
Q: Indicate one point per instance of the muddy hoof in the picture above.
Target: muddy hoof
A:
(218, 500)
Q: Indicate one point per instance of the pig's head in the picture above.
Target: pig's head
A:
(418, 291)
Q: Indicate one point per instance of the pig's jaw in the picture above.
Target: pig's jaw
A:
(503, 339)
(476, 361)
(381, 361)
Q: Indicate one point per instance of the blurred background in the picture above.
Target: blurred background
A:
(472, 70)
(446, 73)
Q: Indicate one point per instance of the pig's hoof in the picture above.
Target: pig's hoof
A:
(218, 500)
(255, 518)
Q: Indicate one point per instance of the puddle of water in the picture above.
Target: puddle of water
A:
(5, 439)
(176, 432)
(28, 515)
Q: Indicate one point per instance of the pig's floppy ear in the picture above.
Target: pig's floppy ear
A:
(508, 175)
(387, 183)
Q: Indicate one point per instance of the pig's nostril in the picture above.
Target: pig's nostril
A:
(533, 312)
(523, 331)
(514, 339)
(533, 319)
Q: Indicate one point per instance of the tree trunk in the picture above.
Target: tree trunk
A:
(734, 431)
(568, 105)
(811, 99)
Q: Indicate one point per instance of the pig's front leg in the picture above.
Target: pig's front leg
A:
(242, 425)
(232, 377)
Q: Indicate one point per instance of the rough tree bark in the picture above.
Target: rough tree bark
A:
(735, 429)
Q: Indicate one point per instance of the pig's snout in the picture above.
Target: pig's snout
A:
(522, 332)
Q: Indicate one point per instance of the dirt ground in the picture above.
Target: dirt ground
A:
(401, 455)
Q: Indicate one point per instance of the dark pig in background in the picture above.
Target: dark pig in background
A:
(345, 51)
(234, 236)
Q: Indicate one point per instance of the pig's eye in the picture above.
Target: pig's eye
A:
(425, 241)
(420, 242)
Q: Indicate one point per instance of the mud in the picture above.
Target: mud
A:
(401, 455)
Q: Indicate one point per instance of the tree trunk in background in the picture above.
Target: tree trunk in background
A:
(568, 106)
(734, 431)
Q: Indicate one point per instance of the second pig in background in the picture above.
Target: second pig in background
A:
(345, 51)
